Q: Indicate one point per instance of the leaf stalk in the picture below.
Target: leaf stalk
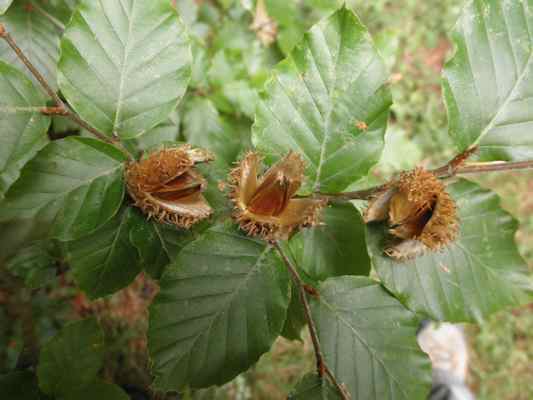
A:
(321, 365)
(60, 107)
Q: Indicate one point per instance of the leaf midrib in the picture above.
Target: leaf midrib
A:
(365, 344)
(327, 133)
(224, 308)
(124, 218)
(124, 68)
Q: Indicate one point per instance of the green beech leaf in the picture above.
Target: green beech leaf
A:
(488, 83)
(311, 387)
(35, 34)
(477, 275)
(106, 260)
(19, 385)
(97, 390)
(4, 5)
(147, 238)
(220, 306)
(16, 234)
(77, 182)
(124, 64)
(35, 264)
(336, 247)
(72, 358)
(167, 131)
(23, 127)
(242, 96)
(295, 320)
(204, 127)
(369, 340)
(173, 239)
(317, 99)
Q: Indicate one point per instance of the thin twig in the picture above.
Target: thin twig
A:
(346, 196)
(454, 167)
(321, 365)
(61, 108)
(476, 168)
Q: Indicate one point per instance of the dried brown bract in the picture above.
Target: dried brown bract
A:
(266, 206)
(166, 186)
(263, 25)
(420, 213)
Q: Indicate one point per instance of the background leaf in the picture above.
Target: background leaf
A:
(477, 275)
(35, 264)
(97, 390)
(204, 127)
(488, 86)
(37, 36)
(221, 305)
(311, 387)
(295, 320)
(124, 64)
(317, 98)
(369, 340)
(16, 234)
(107, 261)
(23, 127)
(147, 238)
(4, 5)
(19, 385)
(72, 358)
(76, 181)
(336, 247)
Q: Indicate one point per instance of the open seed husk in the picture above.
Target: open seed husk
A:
(166, 186)
(265, 205)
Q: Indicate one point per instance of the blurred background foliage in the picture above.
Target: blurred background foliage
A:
(237, 42)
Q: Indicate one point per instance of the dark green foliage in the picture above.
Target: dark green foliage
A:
(147, 77)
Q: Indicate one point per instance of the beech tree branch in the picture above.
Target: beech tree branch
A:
(455, 166)
(61, 108)
(321, 365)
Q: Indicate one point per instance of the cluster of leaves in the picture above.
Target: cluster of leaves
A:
(136, 72)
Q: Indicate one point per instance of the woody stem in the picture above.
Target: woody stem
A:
(61, 107)
(321, 365)
(445, 172)
(476, 168)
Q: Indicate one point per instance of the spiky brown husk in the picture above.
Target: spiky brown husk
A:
(443, 226)
(282, 215)
(426, 198)
(425, 208)
(166, 187)
(419, 211)
(159, 168)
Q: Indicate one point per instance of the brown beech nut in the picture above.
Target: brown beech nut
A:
(266, 205)
(420, 213)
(166, 186)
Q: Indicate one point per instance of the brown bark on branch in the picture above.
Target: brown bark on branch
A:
(456, 166)
(61, 108)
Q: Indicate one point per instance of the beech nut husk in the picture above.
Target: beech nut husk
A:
(266, 205)
(166, 186)
(420, 213)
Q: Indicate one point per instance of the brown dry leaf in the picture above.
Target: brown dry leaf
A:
(263, 25)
